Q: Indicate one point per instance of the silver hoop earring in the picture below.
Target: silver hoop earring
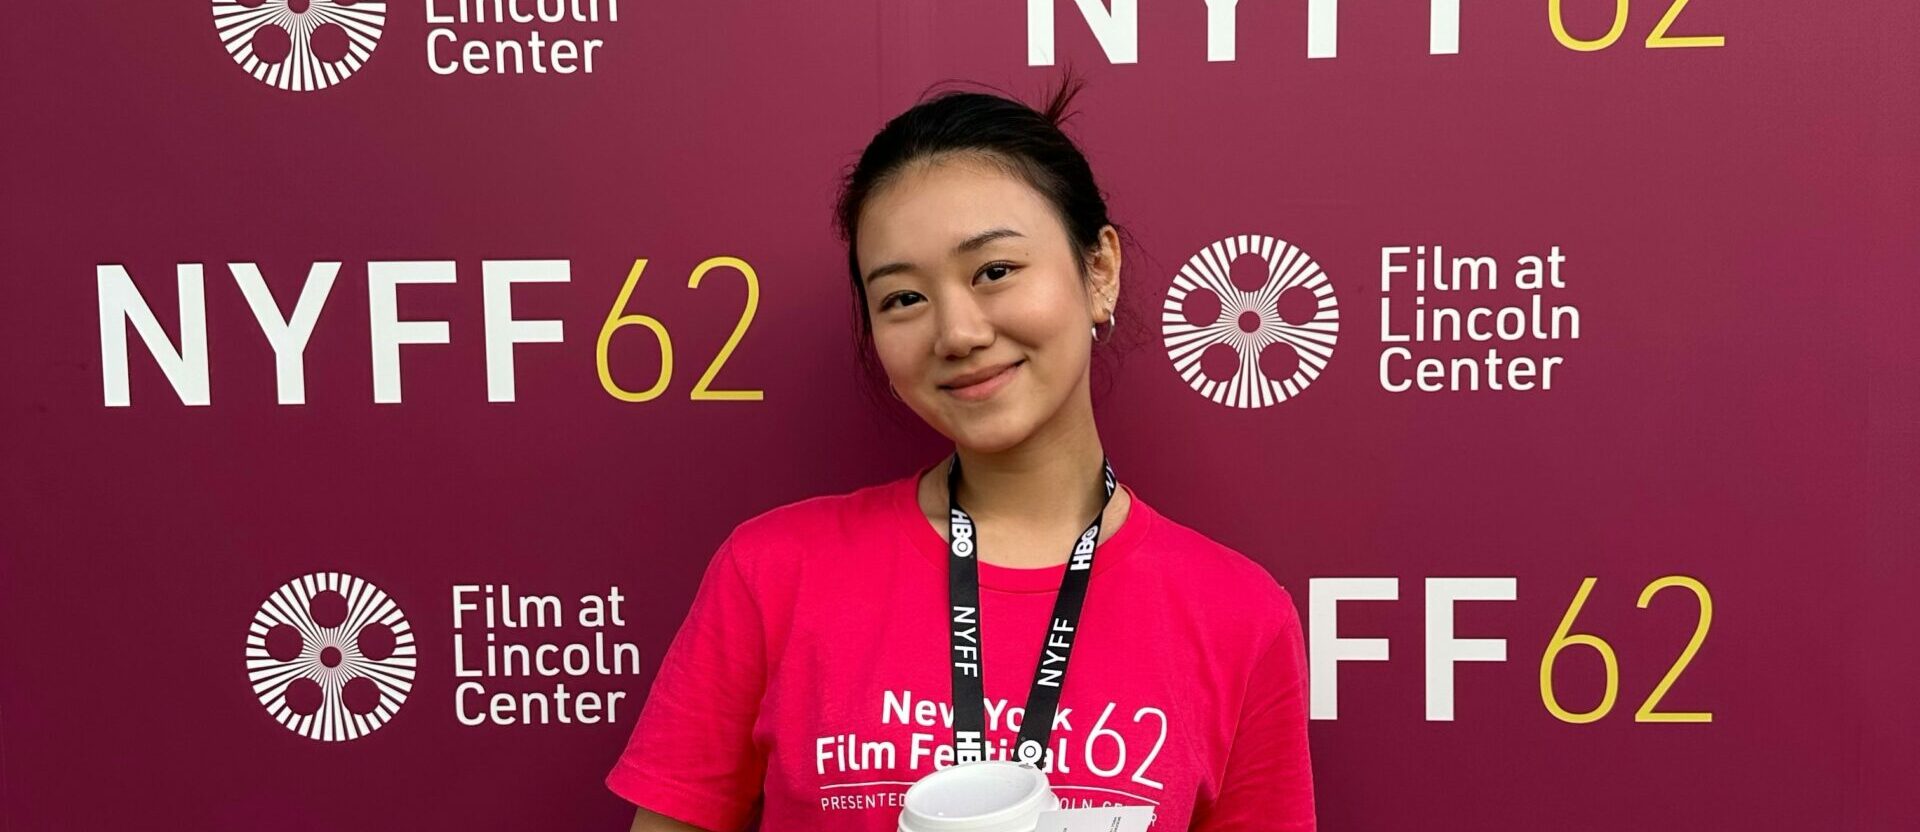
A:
(1113, 319)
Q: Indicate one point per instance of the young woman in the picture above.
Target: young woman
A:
(842, 647)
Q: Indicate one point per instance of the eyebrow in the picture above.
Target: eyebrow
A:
(969, 244)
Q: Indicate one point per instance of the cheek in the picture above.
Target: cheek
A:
(901, 354)
(1049, 319)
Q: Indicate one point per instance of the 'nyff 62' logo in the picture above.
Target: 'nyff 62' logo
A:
(299, 45)
(330, 656)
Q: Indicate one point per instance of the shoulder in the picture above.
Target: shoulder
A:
(774, 539)
(1233, 585)
(820, 513)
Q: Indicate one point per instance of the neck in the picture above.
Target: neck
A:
(1052, 478)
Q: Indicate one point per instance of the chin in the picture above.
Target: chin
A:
(989, 435)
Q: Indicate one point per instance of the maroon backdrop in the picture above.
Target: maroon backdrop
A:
(1736, 227)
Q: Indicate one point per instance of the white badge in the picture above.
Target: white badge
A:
(1102, 819)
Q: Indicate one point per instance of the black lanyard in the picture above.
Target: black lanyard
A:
(963, 587)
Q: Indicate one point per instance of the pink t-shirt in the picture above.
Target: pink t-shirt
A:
(810, 679)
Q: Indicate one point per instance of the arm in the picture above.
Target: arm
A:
(691, 758)
(645, 821)
(1268, 783)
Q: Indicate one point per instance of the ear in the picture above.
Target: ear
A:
(1103, 276)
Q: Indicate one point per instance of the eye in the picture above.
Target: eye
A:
(888, 301)
(1003, 268)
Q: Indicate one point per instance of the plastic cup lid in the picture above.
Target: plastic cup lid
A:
(984, 796)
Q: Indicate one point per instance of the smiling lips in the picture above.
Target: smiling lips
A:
(975, 387)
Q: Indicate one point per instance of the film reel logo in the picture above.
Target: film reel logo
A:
(1250, 347)
(299, 45)
(330, 656)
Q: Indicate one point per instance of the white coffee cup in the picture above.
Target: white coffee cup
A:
(983, 796)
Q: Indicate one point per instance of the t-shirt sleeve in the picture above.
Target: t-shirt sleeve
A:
(692, 756)
(1269, 780)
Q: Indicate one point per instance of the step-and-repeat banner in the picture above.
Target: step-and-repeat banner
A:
(379, 378)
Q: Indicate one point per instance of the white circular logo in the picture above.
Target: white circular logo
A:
(299, 45)
(1249, 321)
(330, 656)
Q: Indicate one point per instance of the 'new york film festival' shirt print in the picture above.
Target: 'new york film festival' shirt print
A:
(810, 684)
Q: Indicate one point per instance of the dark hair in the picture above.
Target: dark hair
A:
(1026, 143)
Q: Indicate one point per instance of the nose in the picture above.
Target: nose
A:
(963, 326)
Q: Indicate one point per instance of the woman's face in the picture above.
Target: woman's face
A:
(970, 274)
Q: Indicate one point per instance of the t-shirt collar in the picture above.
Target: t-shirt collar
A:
(924, 538)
